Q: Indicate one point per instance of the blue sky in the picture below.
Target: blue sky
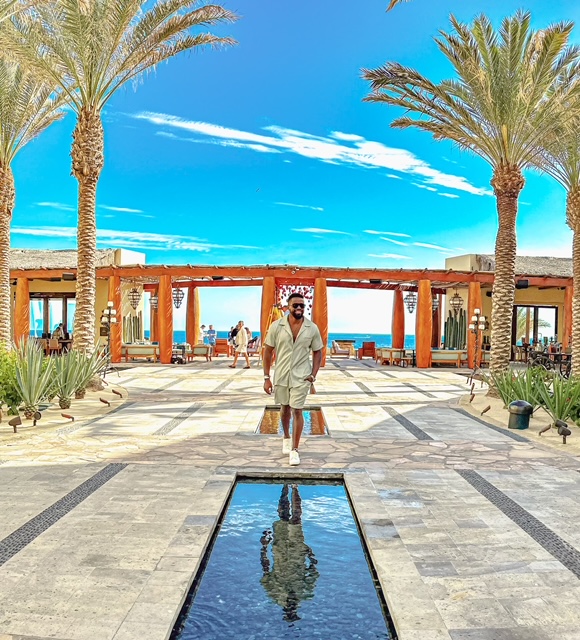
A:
(265, 153)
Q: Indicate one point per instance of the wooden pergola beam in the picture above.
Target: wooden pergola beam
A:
(289, 274)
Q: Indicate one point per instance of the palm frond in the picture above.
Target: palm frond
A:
(28, 106)
(394, 3)
(92, 47)
(507, 94)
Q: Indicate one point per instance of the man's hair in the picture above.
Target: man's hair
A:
(295, 295)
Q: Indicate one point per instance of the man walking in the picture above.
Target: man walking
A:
(292, 337)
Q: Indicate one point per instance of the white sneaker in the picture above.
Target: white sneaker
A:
(294, 458)
(286, 445)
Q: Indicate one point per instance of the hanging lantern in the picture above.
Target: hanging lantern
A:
(154, 301)
(411, 301)
(177, 296)
(435, 303)
(456, 302)
(134, 296)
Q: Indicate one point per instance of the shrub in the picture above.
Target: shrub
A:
(91, 366)
(560, 396)
(9, 394)
(68, 373)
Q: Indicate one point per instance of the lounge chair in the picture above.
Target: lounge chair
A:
(337, 350)
(368, 350)
(222, 348)
(256, 347)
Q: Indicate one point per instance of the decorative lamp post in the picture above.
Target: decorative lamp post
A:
(177, 295)
(411, 301)
(108, 319)
(476, 325)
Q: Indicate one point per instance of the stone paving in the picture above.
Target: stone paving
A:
(471, 527)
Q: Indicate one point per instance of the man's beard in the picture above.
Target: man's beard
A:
(297, 314)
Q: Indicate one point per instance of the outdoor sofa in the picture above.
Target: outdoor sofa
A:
(134, 351)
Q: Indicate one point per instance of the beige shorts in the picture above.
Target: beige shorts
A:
(295, 397)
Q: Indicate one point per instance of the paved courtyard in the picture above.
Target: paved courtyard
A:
(473, 529)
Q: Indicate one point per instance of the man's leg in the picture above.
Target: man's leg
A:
(297, 426)
(285, 414)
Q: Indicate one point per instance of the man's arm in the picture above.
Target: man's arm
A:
(316, 362)
(268, 352)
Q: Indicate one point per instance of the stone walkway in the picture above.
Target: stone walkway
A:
(471, 527)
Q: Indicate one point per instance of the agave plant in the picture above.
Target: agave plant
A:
(503, 383)
(560, 397)
(91, 365)
(33, 376)
(68, 371)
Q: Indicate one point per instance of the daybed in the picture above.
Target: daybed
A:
(337, 350)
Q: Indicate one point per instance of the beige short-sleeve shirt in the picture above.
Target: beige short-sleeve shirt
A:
(293, 357)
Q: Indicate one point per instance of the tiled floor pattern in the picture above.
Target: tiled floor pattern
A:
(452, 564)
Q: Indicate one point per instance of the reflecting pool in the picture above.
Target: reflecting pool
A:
(287, 563)
(314, 423)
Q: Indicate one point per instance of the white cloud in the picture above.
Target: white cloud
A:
(448, 195)
(394, 256)
(424, 186)
(299, 206)
(56, 205)
(132, 239)
(403, 244)
(120, 209)
(388, 233)
(347, 137)
(427, 245)
(317, 230)
(393, 176)
(360, 152)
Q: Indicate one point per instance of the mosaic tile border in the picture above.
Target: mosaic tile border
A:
(364, 388)
(563, 551)
(407, 424)
(29, 531)
(175, 422)
(504, 432)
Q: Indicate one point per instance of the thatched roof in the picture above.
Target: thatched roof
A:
(531, 265)
(54, 259)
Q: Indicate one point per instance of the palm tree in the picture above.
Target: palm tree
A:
(91, 48)
(560, 158)
(504, 101)
(27, 107)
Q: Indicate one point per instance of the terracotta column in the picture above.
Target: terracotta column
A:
(436, 334)
(22, 310)
(320, 313)
(165, 322)
(193, 316)
(268, 302)
(154, 318)
(473, 302)
(567, 337)
(424, 324)
(398, 328)
(117, 328)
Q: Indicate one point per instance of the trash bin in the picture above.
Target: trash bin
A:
(520, 412)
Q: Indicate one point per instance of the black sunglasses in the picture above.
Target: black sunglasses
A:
(298, 305)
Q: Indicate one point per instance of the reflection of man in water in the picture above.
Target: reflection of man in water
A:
(293, 574)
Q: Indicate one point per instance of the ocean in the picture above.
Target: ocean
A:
(381, 339)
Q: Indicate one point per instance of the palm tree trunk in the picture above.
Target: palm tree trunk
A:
(87, 164)
(7, 195)
(573, 219)
(507, 183)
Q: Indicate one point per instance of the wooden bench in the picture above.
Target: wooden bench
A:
(133, 351)
(448, 356)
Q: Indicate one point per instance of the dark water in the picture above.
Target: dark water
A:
(287, 563)
(314, 423)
